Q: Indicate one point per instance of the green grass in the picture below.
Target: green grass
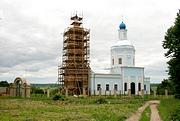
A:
(145, 116)
(72, 109)
(167, 107)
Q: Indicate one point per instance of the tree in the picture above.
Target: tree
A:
(4, 84)
(172, 44)
(166, 84)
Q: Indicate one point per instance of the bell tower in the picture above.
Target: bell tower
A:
(122, 52)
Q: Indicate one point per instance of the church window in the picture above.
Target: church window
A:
(98, 87)
(144, 87)
(120, 60)
(112, 61)
(125, 86)
(139, 86)
(115, 87)
(107, 87)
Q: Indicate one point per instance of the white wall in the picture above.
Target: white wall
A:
(147, 83)
(133, 74)
(126, 53)
(104, 79)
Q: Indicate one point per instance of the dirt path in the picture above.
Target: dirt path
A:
(154, 112)
(137, 115)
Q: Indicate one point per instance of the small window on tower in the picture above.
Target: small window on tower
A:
(112, 61)
(120, 60)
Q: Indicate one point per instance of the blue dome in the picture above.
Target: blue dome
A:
(122, 26)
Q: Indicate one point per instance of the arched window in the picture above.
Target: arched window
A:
(112, 61)
(139, 86)
(144, 87)
(107, 87)
(125, 86)
(120, 60)
(98, 87)
(115, 87)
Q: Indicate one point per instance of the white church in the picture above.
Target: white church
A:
(123, 77)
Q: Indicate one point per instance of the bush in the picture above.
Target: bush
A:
(54, 91)
(36, 90)
(100, 101)
(58, 97)
(175, 115)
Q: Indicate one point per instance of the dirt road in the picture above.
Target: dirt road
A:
(154, 112)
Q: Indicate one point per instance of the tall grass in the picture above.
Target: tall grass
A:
(168, 107)
(71, 109)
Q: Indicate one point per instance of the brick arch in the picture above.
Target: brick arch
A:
(18, 79)
(19, 85)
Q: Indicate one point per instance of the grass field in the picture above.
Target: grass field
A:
(72, 109)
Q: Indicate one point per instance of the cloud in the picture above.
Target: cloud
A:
(31, 34)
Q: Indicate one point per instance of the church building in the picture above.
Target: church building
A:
(123, 77)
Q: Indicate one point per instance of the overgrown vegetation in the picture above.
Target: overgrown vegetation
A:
(58, 97)
(71, 109)
(169, 109)
(145, 116)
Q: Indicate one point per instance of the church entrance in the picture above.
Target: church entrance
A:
(133, 88)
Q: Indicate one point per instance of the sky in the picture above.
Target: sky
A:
(31, 34)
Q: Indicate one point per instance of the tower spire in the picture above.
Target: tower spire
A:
(122, 17)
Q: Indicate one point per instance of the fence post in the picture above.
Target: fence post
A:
(142, 92)
(129, 92)
(154, 94)
(115, 93)
(99, 91)
(48, 92)
(66, 91)
(166, 93)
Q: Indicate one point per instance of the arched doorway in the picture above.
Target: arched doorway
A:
(18, 84)
(133, 88)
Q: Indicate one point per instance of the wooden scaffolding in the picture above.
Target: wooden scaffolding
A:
(73, 74)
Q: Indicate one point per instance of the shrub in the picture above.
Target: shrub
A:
(54, 91)
(36, 90)
(58, 97)
(100, 101)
